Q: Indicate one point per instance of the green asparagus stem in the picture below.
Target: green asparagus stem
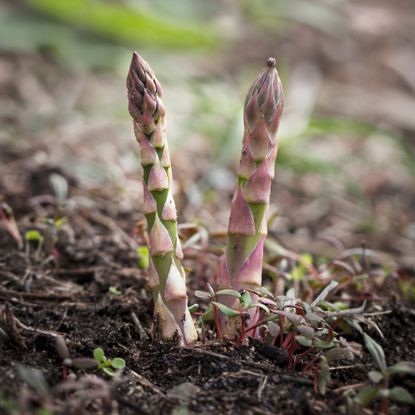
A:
(247, 229)
(167, 276)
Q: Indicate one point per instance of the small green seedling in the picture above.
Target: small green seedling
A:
(108, 365)
(114, 291)
(34, 237)
(381, 380)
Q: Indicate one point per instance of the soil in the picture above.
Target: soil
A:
(67, 154)
(65, 289)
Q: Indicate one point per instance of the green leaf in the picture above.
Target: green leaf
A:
(323, 376)
(274, 328)
(340, 305)
(109, 371)
(99, 355)
(60, 222)
(366, 395)
(263, 306)
(321, 344)
(203, 295)
(324, 293)
(401, 367)
(297, 273)
(306, 331)
(114, 291)
(376, 351)
(208, 315)
(292, 317)
(375, 376)
(232, 293)
(118, 363)
(211, 290)
(304, 341)
(314, 319)
(143, 257)
(354, 324)
(123, 24)
(193, 308)
(264, 292)
(245, 300)
(229, 312)
(400, 394)
(306, 259)
(34, 236)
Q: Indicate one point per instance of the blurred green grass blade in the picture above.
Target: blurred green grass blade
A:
(302, 163)
(346, 126)
(124, 24)
(23, 33)
(20, 33)
(322, 16)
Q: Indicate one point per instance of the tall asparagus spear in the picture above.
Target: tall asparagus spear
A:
(247, 229)
(167, 276)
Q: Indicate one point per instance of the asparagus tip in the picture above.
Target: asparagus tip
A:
(271, 62)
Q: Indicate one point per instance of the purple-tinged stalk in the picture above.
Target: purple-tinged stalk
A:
(167, 276)
(247, 229)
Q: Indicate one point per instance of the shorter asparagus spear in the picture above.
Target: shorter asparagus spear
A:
(242, 263)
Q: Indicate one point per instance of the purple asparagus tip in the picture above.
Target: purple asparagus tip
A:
(144, 92)
(271, 62)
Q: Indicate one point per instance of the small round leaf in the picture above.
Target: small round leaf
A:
(118, 363)
(99, 354)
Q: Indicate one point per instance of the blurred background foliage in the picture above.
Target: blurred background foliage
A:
(348, 129)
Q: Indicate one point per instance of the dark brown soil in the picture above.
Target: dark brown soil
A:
(65, 290)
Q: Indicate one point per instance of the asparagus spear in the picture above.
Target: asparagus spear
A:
(167, 276)
(247, 229)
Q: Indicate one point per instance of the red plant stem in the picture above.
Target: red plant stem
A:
(255, 326)
(243, 332)
(281, 321)
(259, 316)
(301, 356)
(330, 336)
(311, 363)
(217, 323)
(293, 348)
(289, 338)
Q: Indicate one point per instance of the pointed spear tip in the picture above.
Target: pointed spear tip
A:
(271, 62)
(137, 62)
(135, 59)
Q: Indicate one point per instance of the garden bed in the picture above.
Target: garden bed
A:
(88, 289)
